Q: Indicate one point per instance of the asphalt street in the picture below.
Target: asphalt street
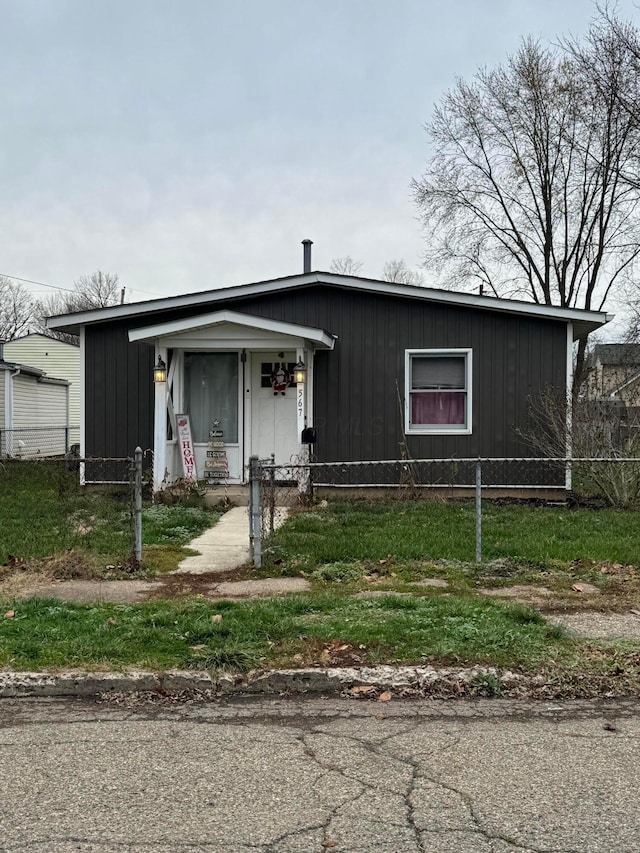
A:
(300, 776)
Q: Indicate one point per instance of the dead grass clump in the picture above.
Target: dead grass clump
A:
(70, 565)
(19, 577)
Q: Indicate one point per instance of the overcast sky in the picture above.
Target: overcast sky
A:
(193, 144)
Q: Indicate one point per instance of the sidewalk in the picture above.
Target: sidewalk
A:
(223, 547)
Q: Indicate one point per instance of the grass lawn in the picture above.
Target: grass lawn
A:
(345, 548)
(279, 631)
(44, 512)
(432, 530)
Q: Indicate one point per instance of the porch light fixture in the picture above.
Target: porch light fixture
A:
(160, 371)
(299, 373)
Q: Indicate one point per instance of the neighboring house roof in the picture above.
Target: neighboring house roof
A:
(583, 321)
(45, 337)
(27, 370)
(23, 368)
(616, 355)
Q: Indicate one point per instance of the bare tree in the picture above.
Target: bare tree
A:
(610, 39)
(98, 290)
(528, 190)
(396, 270)
(346, 266)
(606, 30)
(16, 309)
(400, 273)
(632, 329)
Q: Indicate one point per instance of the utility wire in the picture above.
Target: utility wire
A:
(31, 281)
(69, 289)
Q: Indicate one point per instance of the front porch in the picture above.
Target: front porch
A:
(229, 390)
(217, 494)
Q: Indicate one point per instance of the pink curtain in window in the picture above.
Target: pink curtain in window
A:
(437, 408)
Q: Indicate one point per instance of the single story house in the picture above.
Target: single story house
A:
(34, 412)
(55, 358)
(450, 373)
(613, 371)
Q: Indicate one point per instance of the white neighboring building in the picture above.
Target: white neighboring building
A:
(34, 412)
(55, 358)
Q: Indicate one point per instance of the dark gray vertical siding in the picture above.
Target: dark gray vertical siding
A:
(356, 406)
(357, 414)
(118, 392)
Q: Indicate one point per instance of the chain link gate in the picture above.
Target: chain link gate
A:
(274, 491)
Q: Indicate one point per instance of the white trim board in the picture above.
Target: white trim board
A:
(83, 404)
(625, 384)
(584, 321)
(569, 403)
(186, 342)
(245, 321)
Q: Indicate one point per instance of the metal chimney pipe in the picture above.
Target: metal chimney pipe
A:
(307, 244)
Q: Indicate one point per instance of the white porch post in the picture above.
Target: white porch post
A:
(159, 426)
(8, 412)
(301, 404)
(83, 404)
(301, 417)
(569, 392)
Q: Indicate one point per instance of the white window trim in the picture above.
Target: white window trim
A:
(436, 430)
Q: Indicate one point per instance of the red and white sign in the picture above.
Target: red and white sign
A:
(186, 448)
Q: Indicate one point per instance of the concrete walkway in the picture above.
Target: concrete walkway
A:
(223, 547)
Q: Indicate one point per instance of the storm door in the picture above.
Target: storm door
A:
(211, 399)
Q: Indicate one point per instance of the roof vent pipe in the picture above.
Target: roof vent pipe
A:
(307, 244)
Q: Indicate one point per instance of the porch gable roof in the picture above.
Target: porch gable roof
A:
(319, 337)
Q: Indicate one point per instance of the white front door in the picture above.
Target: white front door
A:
(273, 406)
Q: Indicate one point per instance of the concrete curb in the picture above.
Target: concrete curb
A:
(425, 679)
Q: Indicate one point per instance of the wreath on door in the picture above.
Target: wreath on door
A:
(280, 379)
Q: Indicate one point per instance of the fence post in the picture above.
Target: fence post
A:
(255, 513)
(304, 473)
(137, 493)
(272, 495)
(478, 511)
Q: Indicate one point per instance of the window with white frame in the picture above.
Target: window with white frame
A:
(438, 390)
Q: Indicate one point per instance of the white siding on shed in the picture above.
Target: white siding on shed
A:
(39, 417)
(3, 373)
(56, 358)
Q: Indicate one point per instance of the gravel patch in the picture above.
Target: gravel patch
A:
(520, 591)
(259, 588)
(88, 591)
(600, 626)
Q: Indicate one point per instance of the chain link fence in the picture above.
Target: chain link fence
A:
(45, 509)
(277, 490)
(35, 442)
